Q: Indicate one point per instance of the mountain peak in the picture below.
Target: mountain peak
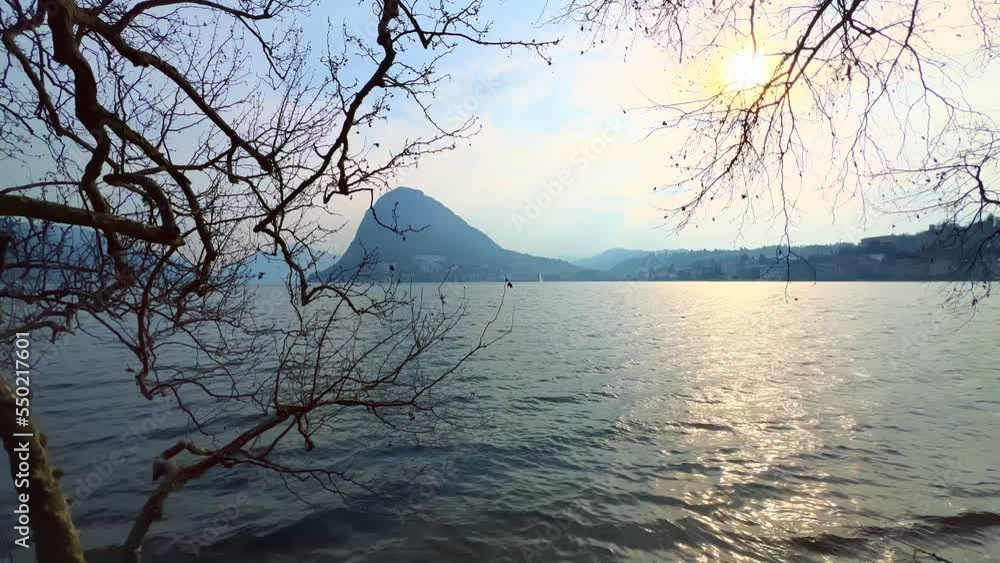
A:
(429, 240)
(404, 191)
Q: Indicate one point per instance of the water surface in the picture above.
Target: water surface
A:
(619, 422)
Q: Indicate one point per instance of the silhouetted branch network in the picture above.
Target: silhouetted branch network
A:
(164, 146)
(863, 98)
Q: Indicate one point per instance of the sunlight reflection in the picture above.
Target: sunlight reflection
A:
(751, 408)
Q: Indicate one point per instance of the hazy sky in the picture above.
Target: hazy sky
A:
(559, 169)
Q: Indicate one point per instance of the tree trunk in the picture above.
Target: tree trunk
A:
(152, 511)
(54, 538)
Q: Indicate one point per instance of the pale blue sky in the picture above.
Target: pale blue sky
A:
(539, 120)
(559, 169)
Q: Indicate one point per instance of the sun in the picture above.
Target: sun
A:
(746, 70)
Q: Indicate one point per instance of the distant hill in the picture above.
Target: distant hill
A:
(433, 240)
(945, 252)
(608, 259)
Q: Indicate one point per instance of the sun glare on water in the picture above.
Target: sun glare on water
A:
(746, 70)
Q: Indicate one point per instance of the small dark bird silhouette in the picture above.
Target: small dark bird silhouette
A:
(392, 268)
(506, 280)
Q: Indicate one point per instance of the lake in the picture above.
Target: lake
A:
(618, 422)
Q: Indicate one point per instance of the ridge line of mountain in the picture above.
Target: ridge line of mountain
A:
(431, 242)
